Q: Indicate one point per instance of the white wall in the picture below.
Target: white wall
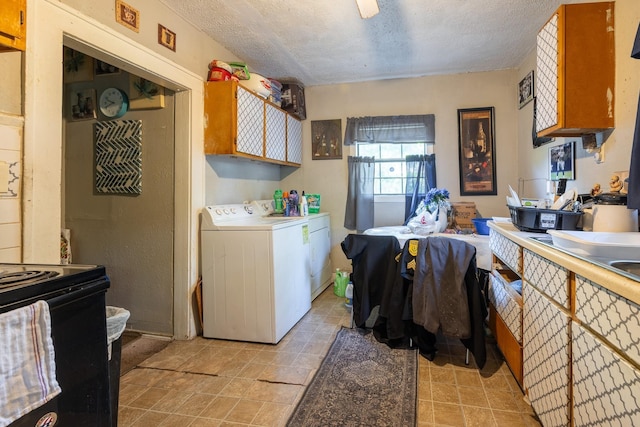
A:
(439, 95)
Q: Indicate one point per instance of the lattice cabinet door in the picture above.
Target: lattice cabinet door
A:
(606, 387)
(547, 75)
(294, 140)
(275, 133)
(250, 123)
(546, 357)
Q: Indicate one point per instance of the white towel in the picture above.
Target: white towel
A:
(27, 361)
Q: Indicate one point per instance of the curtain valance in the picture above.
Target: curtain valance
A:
(390, 129)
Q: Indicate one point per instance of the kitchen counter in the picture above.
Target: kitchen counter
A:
(613, 279)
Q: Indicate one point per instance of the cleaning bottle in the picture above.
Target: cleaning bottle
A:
(285, 203)
(277, 199)
(304, 205)
(348, 294)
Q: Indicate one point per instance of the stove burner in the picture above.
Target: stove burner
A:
(21, 277)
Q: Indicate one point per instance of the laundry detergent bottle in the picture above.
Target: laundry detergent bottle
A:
(277, 201)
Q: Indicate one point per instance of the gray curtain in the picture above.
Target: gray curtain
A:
(421, 177)
(359, 209)
(385, 129)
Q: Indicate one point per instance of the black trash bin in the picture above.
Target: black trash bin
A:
(116, 323)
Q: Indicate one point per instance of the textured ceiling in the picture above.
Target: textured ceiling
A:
(325, 41)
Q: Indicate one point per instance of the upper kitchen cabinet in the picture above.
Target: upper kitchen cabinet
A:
(576, 71)
(13, 25)
(240, 123)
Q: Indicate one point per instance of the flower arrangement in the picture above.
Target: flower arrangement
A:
(435, 198)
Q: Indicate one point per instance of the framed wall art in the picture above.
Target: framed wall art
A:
(525, 90)
(326, 139)
(78, 67)
(83, 104)
(144, 94)
(118, 162)
(562, 160)
(105, 69)
(166, 37)
(476, 149)
(128, 16)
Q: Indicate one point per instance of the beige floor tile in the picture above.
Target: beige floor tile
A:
(150, 418)
(276, 393)
(478, 417)
(473, 396)
(175, 420)
(425, 411)
(244, 412)
(447, 414)
(128, 415)
(468, 378)
(237, 387)
(220, 407)
(502, 400)
(205, 422)
(149, 398)
(194, 404)
(445, 393)
(272, 415)
(442, 375)
(171, 400)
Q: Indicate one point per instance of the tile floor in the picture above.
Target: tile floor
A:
(206, 382)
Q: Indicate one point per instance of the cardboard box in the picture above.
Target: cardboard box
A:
(462, 214)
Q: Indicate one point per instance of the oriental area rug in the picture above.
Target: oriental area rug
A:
(361, 382)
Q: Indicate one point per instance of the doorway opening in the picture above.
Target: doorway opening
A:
(119, 186)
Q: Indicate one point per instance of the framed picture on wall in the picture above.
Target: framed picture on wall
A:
(78, 67)
(525, 90)
(105, 69)
(562, 160)
(144, 94)
(476, 149)
(326, 139)
(82, 104)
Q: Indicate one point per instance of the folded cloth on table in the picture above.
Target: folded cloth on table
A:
(27, 361)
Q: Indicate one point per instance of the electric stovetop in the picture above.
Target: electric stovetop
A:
(25, 281)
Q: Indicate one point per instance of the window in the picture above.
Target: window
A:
(390, 177)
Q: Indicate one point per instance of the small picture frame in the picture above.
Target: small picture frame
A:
(562, 160)
(128, 16)
(78, 67)
(476, 150)
(104, 68)
(82, 104)
(326, 139)
(166, 37)
(144, 94)
(525, 90)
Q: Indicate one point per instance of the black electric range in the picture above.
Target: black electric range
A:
(75, 295)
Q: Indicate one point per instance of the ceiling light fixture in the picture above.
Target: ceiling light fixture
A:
(367, 8)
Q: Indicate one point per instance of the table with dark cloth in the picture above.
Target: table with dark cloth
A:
(433, 269)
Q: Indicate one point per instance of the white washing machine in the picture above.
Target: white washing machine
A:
(255, 273)
(319, 245)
